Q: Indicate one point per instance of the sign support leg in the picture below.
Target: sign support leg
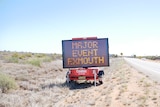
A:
(94, 78)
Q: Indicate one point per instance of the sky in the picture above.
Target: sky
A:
(132, 26)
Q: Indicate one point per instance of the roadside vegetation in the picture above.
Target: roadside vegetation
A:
(22, 58)
(6, 83)
(149, 57)
(45, 86)
(35, 59)
(157, 57)
(153, 57)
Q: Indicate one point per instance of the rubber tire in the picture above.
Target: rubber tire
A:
(100, 73)
(101, 82)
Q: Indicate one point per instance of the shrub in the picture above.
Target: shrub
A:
(15, 55)
(47, 59)
(21, 56)
(28, 54)
(57, 56)
(35, 62)
(6, 83)
(153, 57)
(40, 55)
(11, 59)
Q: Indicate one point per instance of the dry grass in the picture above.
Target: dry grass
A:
(35, 59)
(45, 86)
(6, 83)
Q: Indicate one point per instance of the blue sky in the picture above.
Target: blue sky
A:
(132, 26)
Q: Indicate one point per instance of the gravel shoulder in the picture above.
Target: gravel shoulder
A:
(148, 67)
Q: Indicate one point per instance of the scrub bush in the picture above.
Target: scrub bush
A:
(7, 83)
(35, 62)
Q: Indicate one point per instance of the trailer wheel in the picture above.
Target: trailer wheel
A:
(100, 73)
(100, 76)
(100, 82)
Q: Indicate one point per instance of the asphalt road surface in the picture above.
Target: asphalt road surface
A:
(152, 69)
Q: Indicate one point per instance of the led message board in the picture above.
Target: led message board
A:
(85, 53)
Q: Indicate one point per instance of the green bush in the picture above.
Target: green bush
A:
(21, 56)
(11, 59)
(35, 62)
(57, 56)
(47, 59)
(151, 57)
(15, 55)
(40, 55)
(7, 83)
(28, 54)
(14, 58)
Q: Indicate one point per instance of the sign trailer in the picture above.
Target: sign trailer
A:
(81, 53)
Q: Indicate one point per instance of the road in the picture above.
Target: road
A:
(152, 69)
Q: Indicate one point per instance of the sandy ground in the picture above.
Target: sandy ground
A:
(45, 87)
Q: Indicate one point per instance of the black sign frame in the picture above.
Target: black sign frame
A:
(85, 53)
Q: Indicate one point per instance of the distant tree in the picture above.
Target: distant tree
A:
(121, 54)
(114, 55)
